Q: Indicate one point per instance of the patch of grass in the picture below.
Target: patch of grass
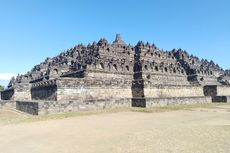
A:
(176, 107)
(75, 114)
(11, 117)
(23, 118)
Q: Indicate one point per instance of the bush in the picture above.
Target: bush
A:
(1, 88)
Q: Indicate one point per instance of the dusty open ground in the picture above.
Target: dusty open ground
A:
(200, 130)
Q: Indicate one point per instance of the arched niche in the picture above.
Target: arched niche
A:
(156, 68)
(102, 66)
(166, 69)
(115, 67)
(182, 71)
(174, 70)
(55, 71)
(146, 67)
(127, 68)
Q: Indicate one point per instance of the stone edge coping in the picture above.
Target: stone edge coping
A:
(149, 98)
(65, 101)
(104, 100)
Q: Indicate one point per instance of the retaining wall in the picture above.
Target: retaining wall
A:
(173, 91)
(222, 99)
(7, 94)
(159, 102)
(44, 93)
(49, 107)
(19, 92)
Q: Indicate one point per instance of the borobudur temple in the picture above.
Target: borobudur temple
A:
(103, 75)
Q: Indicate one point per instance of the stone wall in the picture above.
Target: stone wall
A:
(28, 107)
(173, 91)
(110, 75)
(210, 90)
(159, 102)
(222, 99)
(7, 94)
(176, 101)
(83, 93)
(46, 90)
(223, 90)
(86, 89)
(81, 89)
(19, 92)
(213, 90)
(49, 107)
(165, 79)
(22, 91)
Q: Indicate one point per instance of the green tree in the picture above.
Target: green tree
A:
(1, 88)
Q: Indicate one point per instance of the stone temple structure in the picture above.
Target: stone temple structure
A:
(102, 75)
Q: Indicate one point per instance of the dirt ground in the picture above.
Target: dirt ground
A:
(203, 130)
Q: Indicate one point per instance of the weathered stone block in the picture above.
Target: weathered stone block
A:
(159, 102)
(221, 99)
(210, 90)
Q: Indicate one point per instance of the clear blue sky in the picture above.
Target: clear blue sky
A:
(32, 30)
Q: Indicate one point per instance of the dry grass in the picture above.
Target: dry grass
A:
(177, 107)
(8, 116)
